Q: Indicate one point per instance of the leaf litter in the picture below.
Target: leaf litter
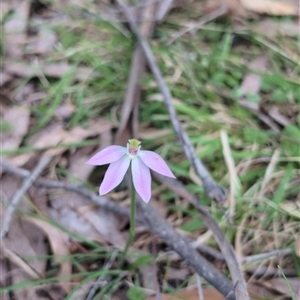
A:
(16, 119)
(32, 237)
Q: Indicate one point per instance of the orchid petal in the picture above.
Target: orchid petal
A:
(107, 155)
(114, 174)
(156, 163)
(141, 179)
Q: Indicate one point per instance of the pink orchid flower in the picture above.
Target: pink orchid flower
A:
(141, 162)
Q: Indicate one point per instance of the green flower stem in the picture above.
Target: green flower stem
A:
(132, 222)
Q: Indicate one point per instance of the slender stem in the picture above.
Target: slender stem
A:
(132, 222)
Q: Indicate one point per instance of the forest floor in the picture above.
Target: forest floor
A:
(74, 80)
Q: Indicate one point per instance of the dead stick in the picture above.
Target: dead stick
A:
(164, 230)
(165, 6)
(52, 184)
(181, 245)
(266, 255)
(211, 188)
(129, 115)
(19, 194)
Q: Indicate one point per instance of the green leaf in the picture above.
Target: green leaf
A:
(194, 224)
(253, 135)
(136, 293)
(290, 140)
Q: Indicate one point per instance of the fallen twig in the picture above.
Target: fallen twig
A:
(267, 271)
(163, 9)
(216, 254)
(129, 115)
(52, 184)
(199, 287)
(19, 194)
(264, 118)
(266, 255)
(178, 243)
(246, 259)
(216, 192)
(155, 223)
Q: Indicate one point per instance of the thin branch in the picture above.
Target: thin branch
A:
(267, 255)
(209, 251)
(154, 222)
(129, 115)
(52, 184)
(199, 287)
(216, 192)
(165, 6)
(246, 259)
(267, 271)
(217, 255)
(181, 245)
(20, 193)
(264, 118)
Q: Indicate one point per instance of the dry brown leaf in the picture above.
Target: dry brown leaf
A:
(59, 242)
(40, 140)
(272, 28)
(55, 70)
(18, 21)
(17, 118)
(258, 291)
(4, 78)
(15, 28)
(79, 215)
(272, 7)
(59, 135)
(25, 239)
(280, 285)
(208, 294)
(19, 262)
(77, 162)
(151, 133)
(149, 275)
(23, 93)
(251, 85)
(43, 43)
(235, 7)
(8, 186)
(159, 205)
(251, 82)
(65, 111)
(292, 208)
(177, 274)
